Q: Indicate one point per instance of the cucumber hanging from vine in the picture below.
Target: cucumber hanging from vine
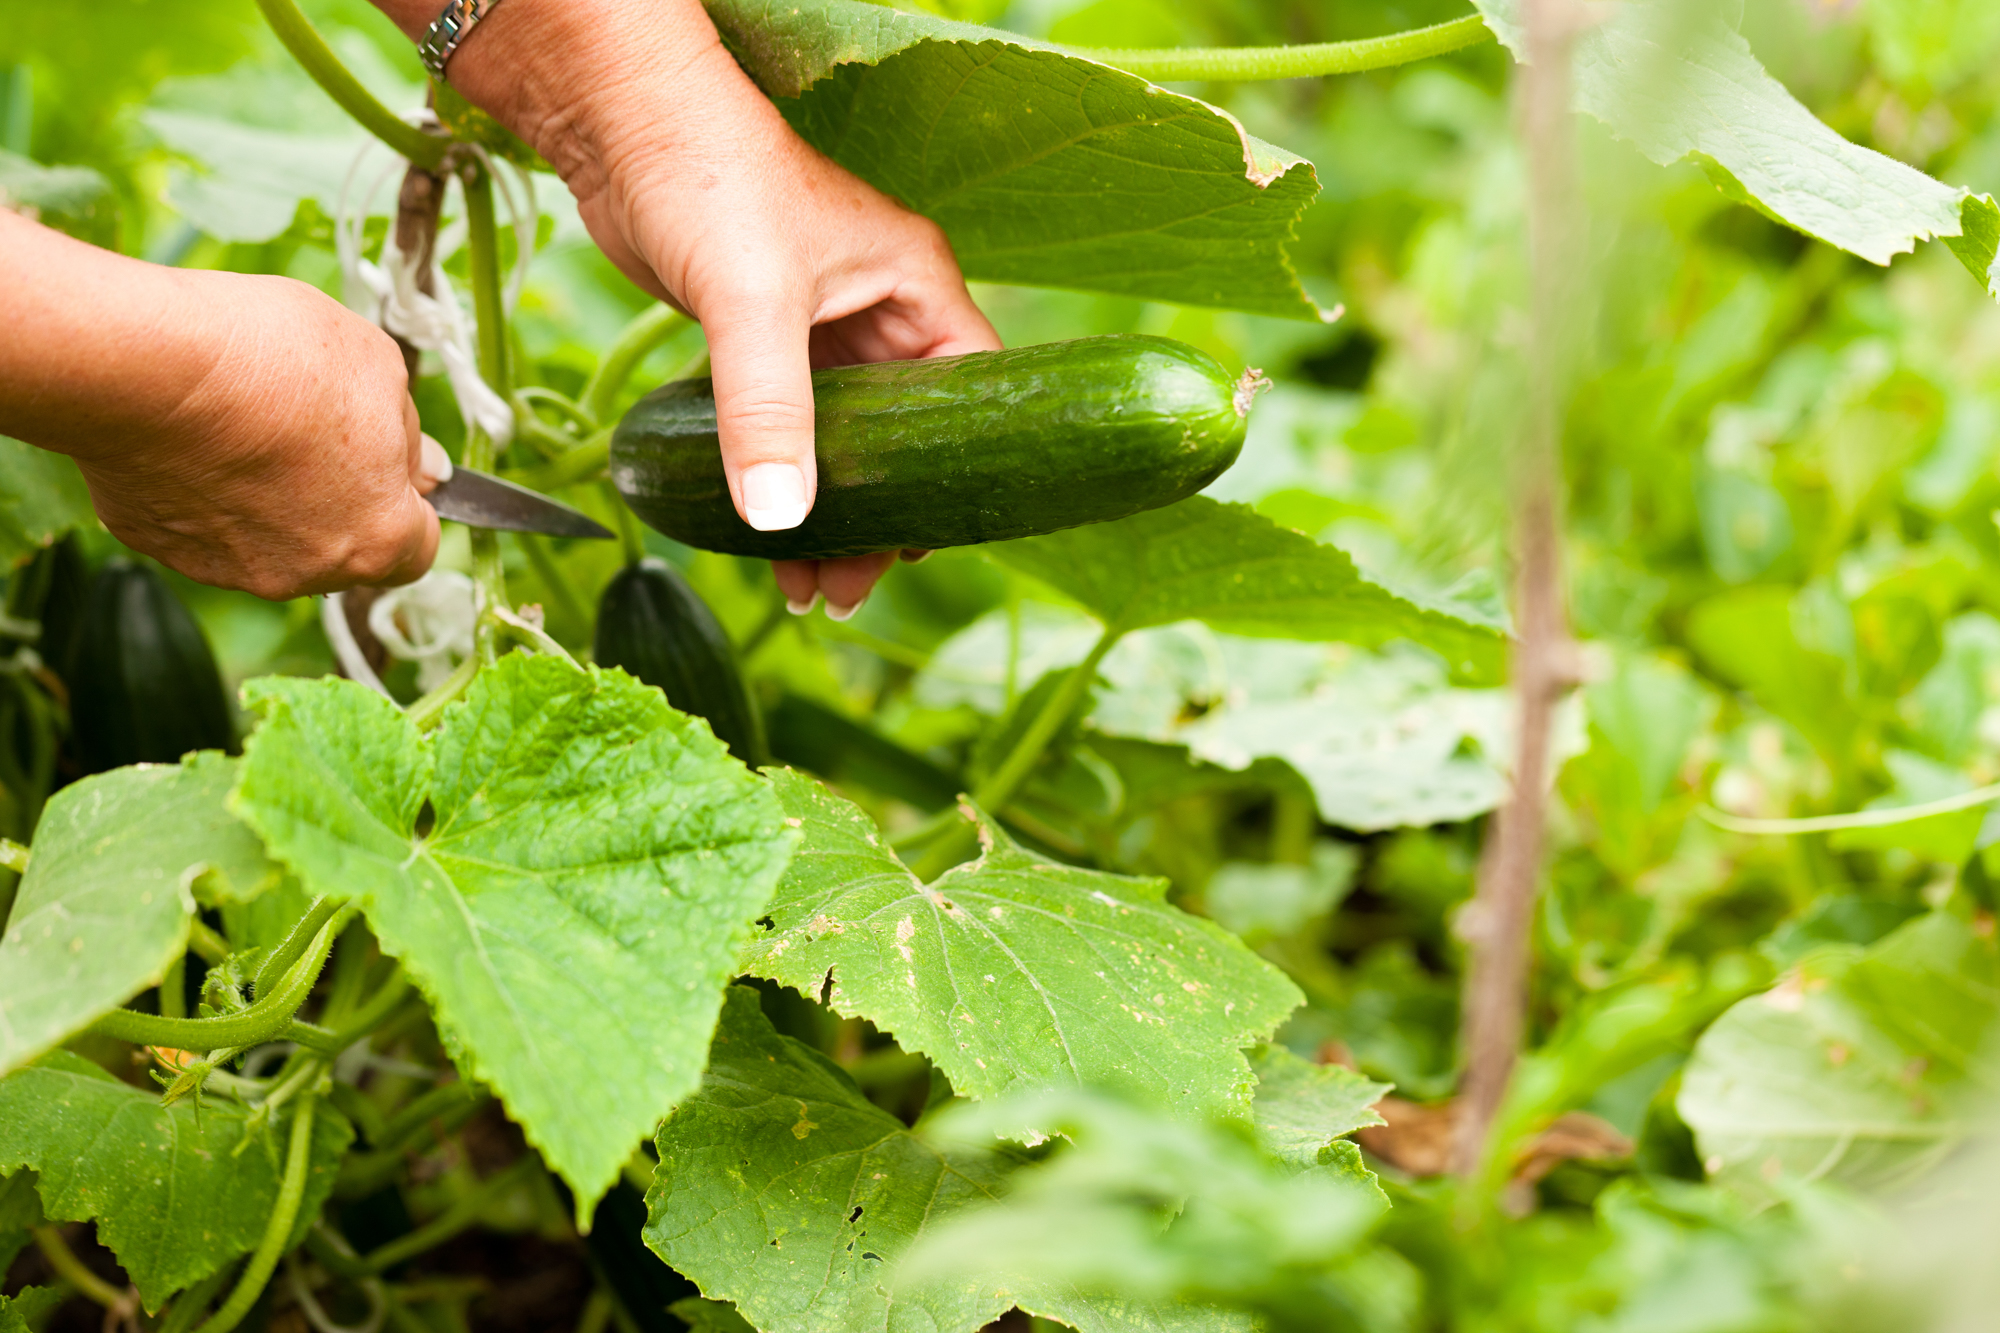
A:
(955, 450)
(652, 624)
(144, 686)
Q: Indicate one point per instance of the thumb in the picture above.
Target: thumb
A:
(764, 411)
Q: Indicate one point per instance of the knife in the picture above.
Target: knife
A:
(480, 500)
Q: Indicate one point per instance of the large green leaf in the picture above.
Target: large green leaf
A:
(572, 907)
(1166, 1213)
(1679, 84)
(42, 496)
(176, 1192)
(1041, 167)
(1859, 1067)
(784, 1189)
(1303, 1108)
(1012, 972)
(1236, 570)
(104, 906)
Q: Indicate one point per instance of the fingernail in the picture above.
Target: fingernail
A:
(774, 496)
(844, 612)
(433, 464)
(802, 608)
(915, 557)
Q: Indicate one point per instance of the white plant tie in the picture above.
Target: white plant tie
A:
(430, 622)
(387, 292)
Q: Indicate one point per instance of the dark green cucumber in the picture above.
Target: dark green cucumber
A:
(954, 450)
(143, 684)
(652, 624)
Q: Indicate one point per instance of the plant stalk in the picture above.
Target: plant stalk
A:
(1499, 928)
(311, 51)
(278, 1230)
(465, 1213)
(482, 243)
(635, 341)
(993, 794)
(1247, 64)
(74, 1271)
(269, 1019)
(13, 856)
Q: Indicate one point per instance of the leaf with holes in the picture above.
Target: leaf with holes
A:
(1016, 973)
(176, 1191)
(1100, 181)
(104, 905)
(572, 907)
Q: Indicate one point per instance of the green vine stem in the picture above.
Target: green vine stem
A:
(13, 856)
(187, 1306)
(634, 342)
(1247, 64)
(429, 710)
(630, 536)
(310, 50)
(482, 243)
(998, 789)
(475, 1207)
(586, 461)
(75, 1272)
(269, 1019)
(294, 945)
(278, 1230)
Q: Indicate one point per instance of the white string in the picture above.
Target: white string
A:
(430, 622)
(346, 650)
(388, 292)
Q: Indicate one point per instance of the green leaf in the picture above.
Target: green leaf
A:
(103, 909)
(176, 1192)
(1041, 167)
(785, 1190)
(1684, 87)
(27, 1308)
(1303, 1109)
(1166, 1214)
(20, 1212)
(1234, 569)
(572, 909)
(42, 496)
(1012, 972)
(1862, 1067)
(706, 1316)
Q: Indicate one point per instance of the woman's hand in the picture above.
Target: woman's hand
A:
(694, 185)
(250, 432)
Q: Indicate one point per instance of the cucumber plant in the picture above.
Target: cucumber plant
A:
(668, 974)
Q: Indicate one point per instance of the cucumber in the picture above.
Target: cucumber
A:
(656, 627)
(954, 450)
(143, 684)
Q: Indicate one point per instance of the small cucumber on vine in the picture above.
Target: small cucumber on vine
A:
(143, 684)
(653, 625)
(955, 450)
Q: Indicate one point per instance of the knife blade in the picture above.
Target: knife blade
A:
(481, 500)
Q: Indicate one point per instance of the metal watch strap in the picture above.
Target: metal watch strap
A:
(449, 32)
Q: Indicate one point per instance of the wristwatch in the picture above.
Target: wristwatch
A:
(449, 32)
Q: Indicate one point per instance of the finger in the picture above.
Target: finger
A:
(764, 411)
(848, 581)
(937, 320)
(798, 580)
(412, 544)
(433, 465)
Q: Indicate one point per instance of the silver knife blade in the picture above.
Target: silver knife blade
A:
(481, 500)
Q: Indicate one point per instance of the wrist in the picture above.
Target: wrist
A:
(576, 78)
